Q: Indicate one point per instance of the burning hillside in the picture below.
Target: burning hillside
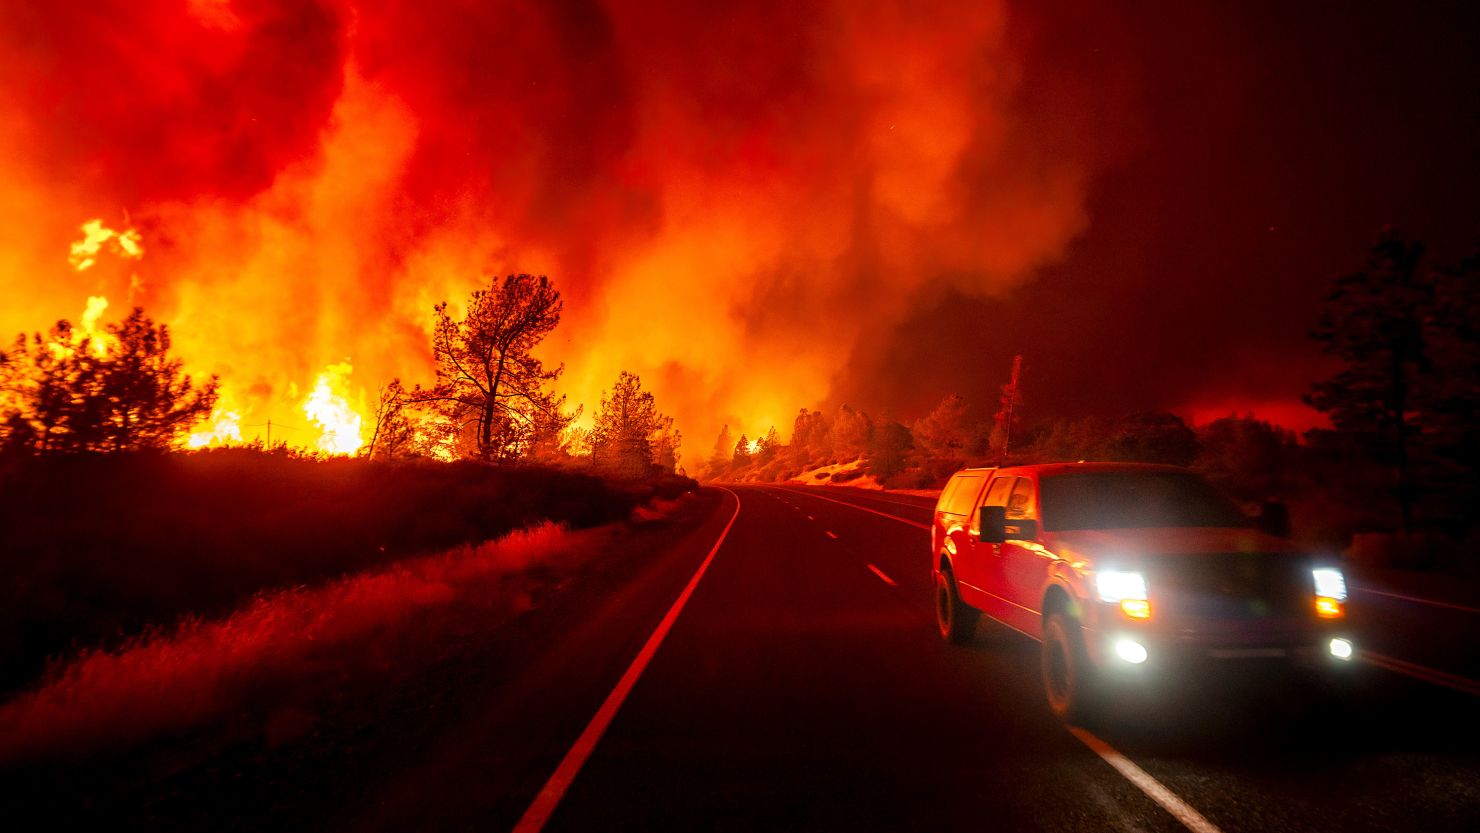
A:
(291, 187)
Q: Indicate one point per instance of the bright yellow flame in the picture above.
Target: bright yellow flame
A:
(99, 339)
(328, 405)
(224, 428)
(95, 235)
(754, 447)
(1136, 608)
(1328, 608)
(96, 306)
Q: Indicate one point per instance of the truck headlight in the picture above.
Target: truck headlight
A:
(1330, 587)
(1126, 589)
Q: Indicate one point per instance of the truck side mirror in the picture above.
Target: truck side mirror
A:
(1023, 530)
(1274, 519)
(992, 523)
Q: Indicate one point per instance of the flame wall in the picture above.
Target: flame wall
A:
(731, 196)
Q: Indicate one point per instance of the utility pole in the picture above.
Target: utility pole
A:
(269, 434)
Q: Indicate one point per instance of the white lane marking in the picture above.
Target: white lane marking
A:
(880, 573)
(549, 796)
(1422, 672)
(831, 535)
(1154, 789)
(875, 511)
(925, 506)
(1419, 599)
(810, 518)
(1181, 810)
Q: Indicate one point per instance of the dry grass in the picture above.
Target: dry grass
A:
(171, 681)
(95, 551)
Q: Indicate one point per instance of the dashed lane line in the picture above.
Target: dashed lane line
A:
(874, 511)
(880, 573)
(548, 799)
(831, 535)
(806, 490)
(1154, 789)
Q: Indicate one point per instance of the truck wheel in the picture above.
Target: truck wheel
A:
(956, 619)
(1068, 678)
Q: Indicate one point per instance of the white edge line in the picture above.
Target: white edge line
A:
(549, 796)
(1451, 605)
(831, 534)
(1421, 672)
(1181, 810)
(1154, 789)
(880, 573)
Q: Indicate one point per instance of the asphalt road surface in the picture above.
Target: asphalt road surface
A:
(799, 684)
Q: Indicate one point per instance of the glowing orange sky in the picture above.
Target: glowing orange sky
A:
(755, 206)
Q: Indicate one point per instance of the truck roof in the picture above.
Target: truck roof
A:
(1060, 468)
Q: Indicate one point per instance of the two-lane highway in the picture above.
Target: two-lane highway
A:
(801, 690)
(802, 686)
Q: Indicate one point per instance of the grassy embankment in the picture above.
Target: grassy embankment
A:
(96, 552)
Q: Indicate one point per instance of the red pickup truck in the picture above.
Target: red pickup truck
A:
(1121, 570)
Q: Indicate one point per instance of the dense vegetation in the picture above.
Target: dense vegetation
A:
(94, 548)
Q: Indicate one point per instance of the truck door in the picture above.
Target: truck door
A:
(982, 573)
(1025, 564)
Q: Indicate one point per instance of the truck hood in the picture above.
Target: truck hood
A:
(1129, 547)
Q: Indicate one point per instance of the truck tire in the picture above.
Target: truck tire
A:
(1068, 678)
(955, 619)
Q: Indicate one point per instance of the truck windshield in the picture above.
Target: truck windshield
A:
(1134, 499)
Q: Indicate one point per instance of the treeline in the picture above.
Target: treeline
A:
(1402, 453)
(80, 390)
(924, 453)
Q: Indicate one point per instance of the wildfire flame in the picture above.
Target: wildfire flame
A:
(224, 428)
(696, 207)
(95, 236)
(328, 407)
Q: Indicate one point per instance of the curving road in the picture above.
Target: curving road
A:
(802, 687)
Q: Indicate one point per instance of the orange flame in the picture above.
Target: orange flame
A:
(700, 223)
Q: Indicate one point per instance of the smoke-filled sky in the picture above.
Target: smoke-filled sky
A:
(756, 206)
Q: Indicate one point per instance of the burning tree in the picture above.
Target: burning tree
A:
(942, 434)
(394, 432)
(1006, 418)
(71, 391)
(740, 457)
(629, 436)
(488, 384)
(723, 455)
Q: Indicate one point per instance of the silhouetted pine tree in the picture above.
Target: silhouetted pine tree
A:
(65, 392)
(488, 383)
(1373, 322)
